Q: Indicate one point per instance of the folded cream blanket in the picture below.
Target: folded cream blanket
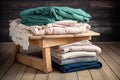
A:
(20, 33)
(80, 43)
(89, 48)
(60, 27)
(69, 55)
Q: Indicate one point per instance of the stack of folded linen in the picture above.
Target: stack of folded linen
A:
(50, 20)
(76, 56)
(55, 20)
(61, 27)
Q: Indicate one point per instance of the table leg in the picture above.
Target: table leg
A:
(16, 49)
(46, 60)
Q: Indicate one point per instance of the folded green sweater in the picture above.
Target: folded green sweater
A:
(45, 15)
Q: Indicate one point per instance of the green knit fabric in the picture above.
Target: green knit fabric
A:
(44, 15)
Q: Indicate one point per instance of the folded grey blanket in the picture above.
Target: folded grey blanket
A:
(74, 60)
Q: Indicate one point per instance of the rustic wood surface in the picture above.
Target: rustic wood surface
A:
(46, 43)
(109, 57)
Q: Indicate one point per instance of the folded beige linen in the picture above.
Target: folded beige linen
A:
(63, 23)
(61, 27)
(80, 43)
(89, 48)
(69, 55)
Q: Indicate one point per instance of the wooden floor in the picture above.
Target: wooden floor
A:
(110, 70)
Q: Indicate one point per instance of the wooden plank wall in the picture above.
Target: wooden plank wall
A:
(105, 15)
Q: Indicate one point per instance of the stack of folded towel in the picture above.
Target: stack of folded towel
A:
(76, 56)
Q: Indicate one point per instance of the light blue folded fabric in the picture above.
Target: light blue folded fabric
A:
(75, 60)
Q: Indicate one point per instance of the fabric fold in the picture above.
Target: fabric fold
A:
(77, 66)
(19, 33)
(70, 55)
(50, 14)
(89, 48)
(74, 60)
(80, 43)
(61, 27)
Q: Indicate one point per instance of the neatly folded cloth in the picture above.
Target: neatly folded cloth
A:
(77, 66)
(67, 27)
(80, 43)
(69, 55)
(50, 14)
(89, 48)
(75, 60)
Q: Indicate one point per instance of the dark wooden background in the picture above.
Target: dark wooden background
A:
(105, 15)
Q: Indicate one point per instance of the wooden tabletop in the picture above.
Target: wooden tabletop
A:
(89, 33)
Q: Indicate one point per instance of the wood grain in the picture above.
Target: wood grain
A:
(109, 71)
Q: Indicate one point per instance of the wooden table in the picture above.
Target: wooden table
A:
(45, 42)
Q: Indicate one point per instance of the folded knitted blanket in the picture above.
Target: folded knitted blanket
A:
(61, 27)
(74, 60)
(19, 33)
(70, 55)
(49, 14)
(63, 23)
(77, 66)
